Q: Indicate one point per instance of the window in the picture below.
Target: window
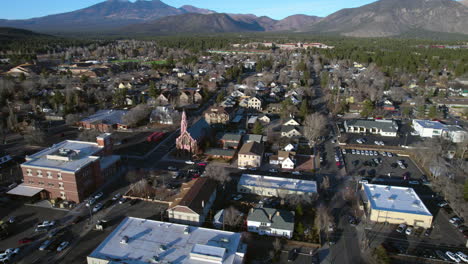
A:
(62, 195)
(40, 183)
(31, 182)
(49, 175)
(29, 172)
(50, 184)
(59, 176)
(39, 173)
(61, 185)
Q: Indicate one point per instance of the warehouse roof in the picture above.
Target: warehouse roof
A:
(393, 198)
(278, 183)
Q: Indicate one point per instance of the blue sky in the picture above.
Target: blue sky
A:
(277, 9)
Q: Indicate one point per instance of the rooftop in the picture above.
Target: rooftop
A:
(279, 219)
(142, 241)
(395, 199)
(252, 148)
(278, 183)
(198, 194)
(430, 124)
(68, 155)
(231, 137)
(109, 117)
(384, 125)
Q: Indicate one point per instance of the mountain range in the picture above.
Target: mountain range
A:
(382, 18)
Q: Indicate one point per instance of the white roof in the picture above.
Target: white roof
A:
(48, 158)
(278, 183)
(24, 190)
(147, 239)
(395, 199)
(430, 124)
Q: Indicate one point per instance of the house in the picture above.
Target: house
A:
(264, 119)
(220, 153)
(70, 170)
(291, 131)
(185, 98)
(137, 240)
(291, 122)
(250, 155)
(271, 222)
(166, 115)
(105, 121)
(274, 108)
(162, 99)
(395, 205)
(289, 147)
(285, 159)
(230, 140)
(386, 128)
(254, 138)
(127, 85)
(275, 186)
(193, 205)
(218, 115)
(254, 103)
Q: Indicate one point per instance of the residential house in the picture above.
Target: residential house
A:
(125, 85)
(230, 140)
(271, 222)
(254, 103)
(220, 153)
(194, 203)
(165, 115)
(289, 147)
(163, 99)
(291, 122)
(218, 115)
(254, 138)
(285, 159)
(264, 119)
(388, 105)
(70, 170)
(250, 155)
(291, 131)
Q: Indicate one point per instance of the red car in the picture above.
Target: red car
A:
(201, 164)
(194, 176)
(25, 240)
(338, 163)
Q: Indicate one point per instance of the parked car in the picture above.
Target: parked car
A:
(45, 245)
(237, 197)
(273, 170)
(454, 219)
(441, 255)
(296, 173)
(401, 228)
(12, 219)
(90, 202)
(242, 168)
(97, 207)
(201, 164)
(98, 195)
(452, 256)
(409, 230)
(116, 197)
(462, 256)
(53, 233)
(62, 246)
(25, 240)
(428, 232)
(442, 204)
(189, 162)
(122, 200)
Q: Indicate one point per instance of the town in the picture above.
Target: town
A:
(231, 147)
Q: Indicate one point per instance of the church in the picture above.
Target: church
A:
(191, 138)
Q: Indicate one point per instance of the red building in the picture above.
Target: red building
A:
(70, 170)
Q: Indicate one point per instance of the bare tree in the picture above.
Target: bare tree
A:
(231, 217)
(314, 126)
(217, 173)
(136, 115)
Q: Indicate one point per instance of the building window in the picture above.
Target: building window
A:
(61, 185)
(39, 173)
(62, 195)
(49, 175)
(59, 176)
(29, 172)
(31, 182)
(40, 183)
(50, 184)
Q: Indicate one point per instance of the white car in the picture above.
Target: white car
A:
(452, 256)
(4, 257)
(389, 154)
(409, 230)
(62, 246)
(98, 195)
(242, 168)
(90, 202)
(116, 197)
(296, 173)
(358, 152)
(462, 256)
(353, 151)
(401, 228)
(343, 151)
(97, 207)
(189, 162)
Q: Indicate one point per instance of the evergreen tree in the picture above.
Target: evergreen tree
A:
(258, 128)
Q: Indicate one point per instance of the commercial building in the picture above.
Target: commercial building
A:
(70, 170)
(395, 205)
(138, 240)
(193, 205)
(271, 221)
(275, 186)
(386, 128)
(431, 129)
(250, 155)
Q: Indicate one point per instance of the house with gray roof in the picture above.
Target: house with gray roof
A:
(271, 222)
(386, 128)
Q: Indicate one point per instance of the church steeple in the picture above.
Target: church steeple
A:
(183, 123)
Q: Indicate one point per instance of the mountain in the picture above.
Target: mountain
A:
(265, 22)
(192, 23)
(464, 2)
(196, 10)
(295, 22)
(386, 18)
(105, 15)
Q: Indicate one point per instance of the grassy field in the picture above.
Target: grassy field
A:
(140, 61)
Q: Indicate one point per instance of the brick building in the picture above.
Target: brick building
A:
(70, 170)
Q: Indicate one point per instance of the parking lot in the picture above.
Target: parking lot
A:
(380, 166)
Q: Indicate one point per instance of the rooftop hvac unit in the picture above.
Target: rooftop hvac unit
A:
(124, 240)
(225, 240)
(186, 230)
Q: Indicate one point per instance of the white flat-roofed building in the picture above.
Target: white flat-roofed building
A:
(139, 241)
(427, 128)
(395, 205)
(275, 186)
